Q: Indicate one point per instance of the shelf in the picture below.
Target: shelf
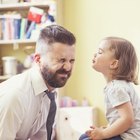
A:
(23, 9)
(18, 41)
(25, 5)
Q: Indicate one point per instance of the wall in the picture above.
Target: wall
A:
(91, 20)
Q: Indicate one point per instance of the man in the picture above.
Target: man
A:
(24, 98)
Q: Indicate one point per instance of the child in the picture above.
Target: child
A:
(116, 59)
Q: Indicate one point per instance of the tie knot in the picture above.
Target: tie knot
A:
(51, 95)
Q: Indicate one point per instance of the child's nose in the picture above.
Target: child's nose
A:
(95, 54)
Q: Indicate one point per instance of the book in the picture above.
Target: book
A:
(23, 27)
(30, 28)
(10, 26)
(0, 28)
(17, 23)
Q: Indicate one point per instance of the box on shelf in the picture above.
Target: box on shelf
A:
(35, 14)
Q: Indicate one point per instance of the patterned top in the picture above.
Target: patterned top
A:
(118, 92)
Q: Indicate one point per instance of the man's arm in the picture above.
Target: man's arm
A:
(11, 116)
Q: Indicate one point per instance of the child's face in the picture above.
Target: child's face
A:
(104, 60)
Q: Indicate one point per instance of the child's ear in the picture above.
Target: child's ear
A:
(37, 58)
(114, 64)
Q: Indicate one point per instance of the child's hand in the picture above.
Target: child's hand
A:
(89, 131)
(95, 133)
(103, 127)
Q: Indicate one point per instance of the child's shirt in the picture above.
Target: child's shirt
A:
(118, 92)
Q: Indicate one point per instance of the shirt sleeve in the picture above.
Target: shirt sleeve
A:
(118, 96)
(11, 115)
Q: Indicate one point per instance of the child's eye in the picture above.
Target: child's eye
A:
(99, 52)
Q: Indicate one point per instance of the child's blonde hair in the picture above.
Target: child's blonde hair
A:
(128, 62)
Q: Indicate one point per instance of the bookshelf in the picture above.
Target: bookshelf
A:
(22, 9)
(8, 45)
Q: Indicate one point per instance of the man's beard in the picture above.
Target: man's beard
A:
(53, 79)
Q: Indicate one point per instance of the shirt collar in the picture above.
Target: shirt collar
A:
(37, 80)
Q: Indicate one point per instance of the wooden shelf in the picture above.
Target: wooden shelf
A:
(25, 5)
(18, 41)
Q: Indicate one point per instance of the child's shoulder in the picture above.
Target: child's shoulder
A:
(116, 85)
(119, 84)
(120, 81)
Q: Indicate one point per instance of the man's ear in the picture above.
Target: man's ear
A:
(114, 64)
(37, 58)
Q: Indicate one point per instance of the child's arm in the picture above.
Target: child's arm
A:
(119, 126)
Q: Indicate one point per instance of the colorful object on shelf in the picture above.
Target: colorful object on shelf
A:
(67, 101)
(31, 27)
(35, 14)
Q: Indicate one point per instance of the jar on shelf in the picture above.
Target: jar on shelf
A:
(9, 65)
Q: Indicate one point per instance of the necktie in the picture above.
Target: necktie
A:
(51, 115)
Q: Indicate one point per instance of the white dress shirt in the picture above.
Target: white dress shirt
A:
(24, 107)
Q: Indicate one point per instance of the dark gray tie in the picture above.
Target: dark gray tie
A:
(51, 115)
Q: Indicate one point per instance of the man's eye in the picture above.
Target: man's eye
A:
(62, 60)
(72, 61)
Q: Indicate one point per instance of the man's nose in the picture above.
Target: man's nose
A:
(67, 66)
